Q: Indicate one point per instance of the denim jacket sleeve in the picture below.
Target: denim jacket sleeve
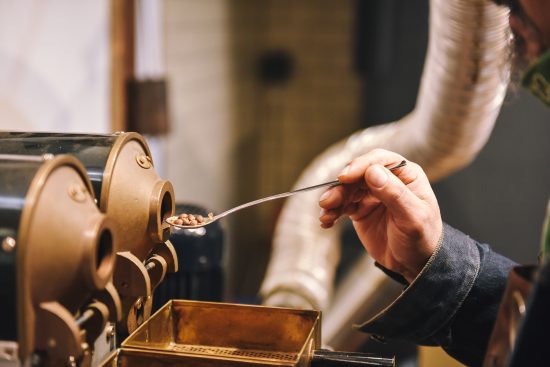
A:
(452, 303)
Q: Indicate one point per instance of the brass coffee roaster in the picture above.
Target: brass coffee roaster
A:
(129, 191)
(83, 246)
(56, 260)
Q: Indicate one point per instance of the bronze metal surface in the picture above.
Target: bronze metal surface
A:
(64, 243)
(93, 319)
(168, 252)
(110, 298)
(135, 197)
(65, 253)
(138, 202)
(189, 333)
(130, 357)
(510, 314)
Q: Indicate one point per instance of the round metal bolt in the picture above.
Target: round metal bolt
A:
(8, 245)
(77, 192)
(144, 161)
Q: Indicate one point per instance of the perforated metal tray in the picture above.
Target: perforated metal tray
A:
(189, 333)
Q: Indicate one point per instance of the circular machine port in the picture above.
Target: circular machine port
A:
(161, 207)
(104, 254)
(166, 206)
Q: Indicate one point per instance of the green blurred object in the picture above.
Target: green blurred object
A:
(537, 78)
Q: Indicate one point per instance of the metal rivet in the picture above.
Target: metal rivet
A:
(77, 192)
(144, 161)
(8, 245)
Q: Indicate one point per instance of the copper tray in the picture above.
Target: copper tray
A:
(189, 333)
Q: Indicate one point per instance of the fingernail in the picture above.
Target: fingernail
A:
(345, 171)
(376, 176)
(322, 212)
(325, 196)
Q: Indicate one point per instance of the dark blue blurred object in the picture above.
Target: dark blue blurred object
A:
(200, 255)
(532, 339)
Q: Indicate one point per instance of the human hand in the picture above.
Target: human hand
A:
(395, 214)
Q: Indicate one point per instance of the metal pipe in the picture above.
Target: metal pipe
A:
(463, 84)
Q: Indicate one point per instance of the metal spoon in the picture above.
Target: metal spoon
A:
(212, 219)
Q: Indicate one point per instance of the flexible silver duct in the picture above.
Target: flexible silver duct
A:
(463, 85)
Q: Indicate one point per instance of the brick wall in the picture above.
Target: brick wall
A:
(284, 126)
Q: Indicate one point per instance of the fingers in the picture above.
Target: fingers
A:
(392, 192)
(395, 213)
(364, 208)
(333, 197)
(367, 182)
(355, 170)
(341, 195)
(349, 200)
(328, 217)
(339, 200)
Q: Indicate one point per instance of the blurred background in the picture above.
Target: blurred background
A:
(247, 93)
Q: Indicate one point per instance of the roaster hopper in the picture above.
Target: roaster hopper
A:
(191, 333)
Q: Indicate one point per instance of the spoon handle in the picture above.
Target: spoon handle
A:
(290, 193)
(277, 196)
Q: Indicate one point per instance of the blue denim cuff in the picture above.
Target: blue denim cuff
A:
(392, 274)
(433, 298)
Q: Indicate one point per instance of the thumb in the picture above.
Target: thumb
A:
(392, 192)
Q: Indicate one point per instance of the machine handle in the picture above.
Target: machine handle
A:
(327, 358)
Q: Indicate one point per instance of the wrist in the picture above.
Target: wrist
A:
(411, 274)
